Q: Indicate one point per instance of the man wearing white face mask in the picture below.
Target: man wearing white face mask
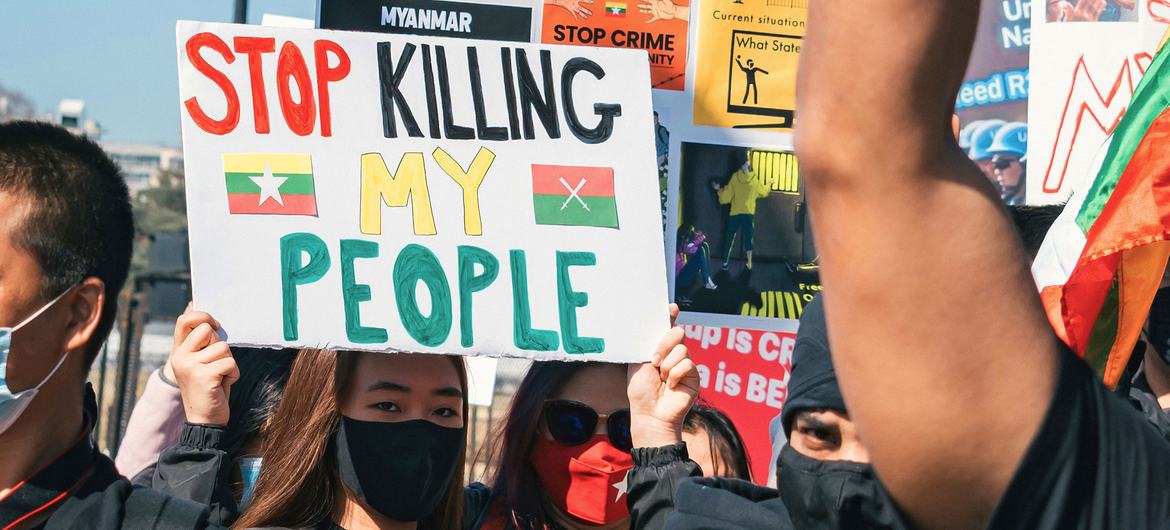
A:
(66, 233)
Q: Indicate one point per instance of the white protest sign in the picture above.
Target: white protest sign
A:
(1083, 75)
(400, 193)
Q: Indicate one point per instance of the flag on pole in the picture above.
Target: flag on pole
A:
(574, 195)
(266, 183)
(1103, 260)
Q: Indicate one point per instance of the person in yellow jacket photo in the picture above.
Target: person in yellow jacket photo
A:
(742, 191)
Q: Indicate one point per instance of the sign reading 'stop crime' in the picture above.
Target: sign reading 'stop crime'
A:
(421, 194)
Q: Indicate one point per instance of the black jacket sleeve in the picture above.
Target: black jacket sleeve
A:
(652, 483)
(197, 469)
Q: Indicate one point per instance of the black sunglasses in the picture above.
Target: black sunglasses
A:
(1002, 163)
(573, 423)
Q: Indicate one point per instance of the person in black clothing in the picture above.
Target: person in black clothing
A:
(66, 232)
(252, 403)
(1148, 389)
(973, 412)
(359, 441)
(823, 473)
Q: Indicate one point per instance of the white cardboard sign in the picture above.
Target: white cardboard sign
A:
(401, 193)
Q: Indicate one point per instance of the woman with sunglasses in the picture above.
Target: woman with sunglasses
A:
(562, 455)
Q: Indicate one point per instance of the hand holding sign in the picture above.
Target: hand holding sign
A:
(470, 197)
(204, 368)
(662, 391)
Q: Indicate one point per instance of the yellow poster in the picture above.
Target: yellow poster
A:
(745, 76)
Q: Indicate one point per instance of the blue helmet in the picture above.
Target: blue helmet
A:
(1011, 139)
(965, 134)
(982, 138)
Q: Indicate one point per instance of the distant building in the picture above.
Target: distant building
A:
(71, 115)
(142, 164)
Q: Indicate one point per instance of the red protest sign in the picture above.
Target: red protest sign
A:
(744, 373)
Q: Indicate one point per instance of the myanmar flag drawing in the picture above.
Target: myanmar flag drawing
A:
(574, 196)
(268, 183)
(1103, 260)
(615, 9)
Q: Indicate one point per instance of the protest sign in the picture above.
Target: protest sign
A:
(746, 64)
(388, 206)
(440, 18)
(1083, 76)
(744, 245)
(744, 373)
(657, 26)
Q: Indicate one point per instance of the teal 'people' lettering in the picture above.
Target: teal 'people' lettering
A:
(417, 263)
(470, 282)
(294, 271)
(525, 336)
(353, 293)
(569, 300)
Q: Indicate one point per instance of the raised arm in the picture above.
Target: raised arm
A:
(943, 352)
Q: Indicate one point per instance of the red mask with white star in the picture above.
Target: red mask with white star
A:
(586, 481)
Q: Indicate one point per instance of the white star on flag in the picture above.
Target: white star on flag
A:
(269, 186)
(621, 486)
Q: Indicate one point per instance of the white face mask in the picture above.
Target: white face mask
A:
(12, 405)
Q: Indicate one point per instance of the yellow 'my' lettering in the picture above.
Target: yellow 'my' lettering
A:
(470, 181)
(407, 184)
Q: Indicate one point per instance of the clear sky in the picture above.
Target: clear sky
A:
(117, 55)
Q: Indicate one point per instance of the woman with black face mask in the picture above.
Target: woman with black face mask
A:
(359, 441)
(365, 440)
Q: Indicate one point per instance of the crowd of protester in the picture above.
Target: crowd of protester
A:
(945, 400)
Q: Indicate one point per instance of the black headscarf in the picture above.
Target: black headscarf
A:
(813, 383)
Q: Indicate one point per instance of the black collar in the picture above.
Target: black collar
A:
(49, 487)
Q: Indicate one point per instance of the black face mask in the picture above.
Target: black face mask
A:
(400, 469)
(828, 494)
(1158, 325)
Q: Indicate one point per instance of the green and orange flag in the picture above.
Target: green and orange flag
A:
(268, 183)
(574, 196)
(1103, 260)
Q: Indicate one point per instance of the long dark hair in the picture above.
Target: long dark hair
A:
(512, 476)
(728, 454)
(299, 478)
(256, 395)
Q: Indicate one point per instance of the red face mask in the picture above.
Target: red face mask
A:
(586, 481)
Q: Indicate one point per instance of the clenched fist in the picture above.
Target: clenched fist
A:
(662, 391)
(203, 368)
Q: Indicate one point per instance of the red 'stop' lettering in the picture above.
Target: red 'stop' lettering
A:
(194, 47)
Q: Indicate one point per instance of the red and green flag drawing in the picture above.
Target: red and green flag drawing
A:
(268, 183)
(1103, 260)
(574, 196)
(615, 9)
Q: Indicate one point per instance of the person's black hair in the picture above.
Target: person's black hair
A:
(256, 395)
(1033, 222)
(728, 453)
(739, 157)
(78, 222)
(684, 230)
